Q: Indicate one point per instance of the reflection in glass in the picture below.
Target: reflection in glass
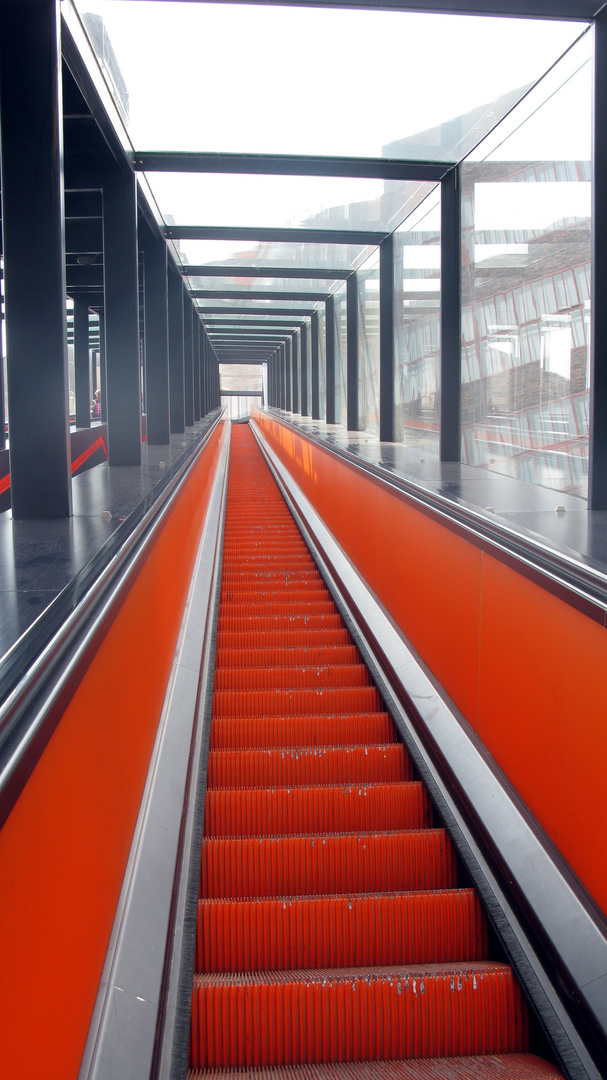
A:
(368, 345)
(417, 327)
(526, 286)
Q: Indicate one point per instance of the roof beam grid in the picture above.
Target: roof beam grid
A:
(309, 272)
(297, 312)
(578, 10)
(246, 294)
(303, 235)
(290, 165)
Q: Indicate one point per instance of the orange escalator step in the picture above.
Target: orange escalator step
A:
(304, 810)
(482, 1067)
(313, 765)
(364, 699)
(312, 637)
(231, 732)
(292, 677)
(284, 657)
(340, 931)
(323, 865)
(364, 1014)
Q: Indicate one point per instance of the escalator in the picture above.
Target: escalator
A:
(333, 933)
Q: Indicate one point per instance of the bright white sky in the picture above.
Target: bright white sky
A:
(212, 77)
(269, 79)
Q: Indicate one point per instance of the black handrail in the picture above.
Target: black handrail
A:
(39, 673)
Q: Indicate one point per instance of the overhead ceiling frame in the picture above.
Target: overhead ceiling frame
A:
(576, 10)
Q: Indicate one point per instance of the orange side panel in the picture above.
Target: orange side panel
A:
(528, 671)
(64, 848)
(542, 712)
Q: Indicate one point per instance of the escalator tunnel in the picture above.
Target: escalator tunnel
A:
(336, 907)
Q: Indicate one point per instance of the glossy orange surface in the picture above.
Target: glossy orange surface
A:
(528, 670)
(64, 848)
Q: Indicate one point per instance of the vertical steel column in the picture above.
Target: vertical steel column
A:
(315, 367)
(31, 133)
(330, 358)
(188, 358)
(352, 351)
(295, 371)
(102, 366)
(303, 368)
(386, 340)
(155, 304)
(82, 382)
(196, 330)
(203, 408)
(283, 377)
(288, 375)
(597, 444)
(2, 416)
(450, 316)
(176, 352)
(121, 291)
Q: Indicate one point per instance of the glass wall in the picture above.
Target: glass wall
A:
(368, 345)
(341, 347)
(526, 195)
(417, 327)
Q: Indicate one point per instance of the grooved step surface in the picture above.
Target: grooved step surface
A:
(340, 931)
(282, 766)
(296, 702)
(483, 1067)
(331, 655)
(316, 865)
(302, 676)
(296, 1017)
(251, 731)
(297, 810)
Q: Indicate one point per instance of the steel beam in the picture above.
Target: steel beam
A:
(330, 359)
(303, 370)
(121, 291)
(301, 235)
(243, 270)
(289, 375)
(290, 165)
(31, 134)
(246, 294)
(155, 299)
(196, 328)
(580, 10)
(176, 351)
(82, 382)
(352, 351)
(386, 340)
(263, 311)
(315, 334)
(295, 383)
(450, 317)
(188, 359)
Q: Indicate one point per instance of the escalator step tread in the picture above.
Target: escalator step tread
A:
(362, 699)
(331, 808)
(340, 931)
(483, 1067)
(307, 765)
(318, 865)
(314, 730)
(362, 1014)
(300, 677)
(331, 655)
